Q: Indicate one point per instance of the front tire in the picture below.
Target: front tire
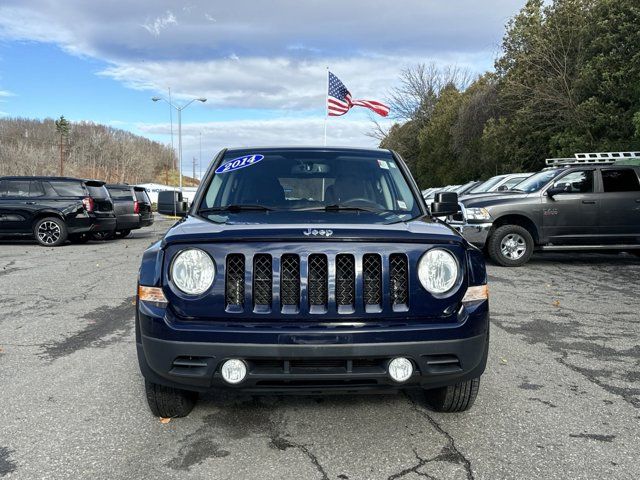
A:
(50, 232)
(454, 398)
(169, 402)
(510, 246)
(123, 233)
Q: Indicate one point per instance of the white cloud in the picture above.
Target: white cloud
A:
(263, 54)
(158, 24)
(255, 55)
(6, 93)
(276, 132)
(208, 29)
(267, 83)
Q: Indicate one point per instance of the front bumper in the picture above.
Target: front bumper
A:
(474, 233)
(313, 359)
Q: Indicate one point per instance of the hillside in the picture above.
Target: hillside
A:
(32, 147)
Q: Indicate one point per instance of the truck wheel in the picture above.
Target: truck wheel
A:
(123, 233)
(50, 232)
(169, 402)
(454, 398)
(510, 246)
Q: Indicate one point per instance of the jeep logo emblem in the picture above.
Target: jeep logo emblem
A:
(318, 233)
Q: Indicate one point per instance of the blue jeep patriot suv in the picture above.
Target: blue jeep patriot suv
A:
(308, 270)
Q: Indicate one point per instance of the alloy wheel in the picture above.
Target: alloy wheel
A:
(513, 246)
(49, 232)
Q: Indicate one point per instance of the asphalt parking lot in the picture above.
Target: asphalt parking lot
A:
(560, 397)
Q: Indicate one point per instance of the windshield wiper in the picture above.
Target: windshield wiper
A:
(336, 208)
(346, 208)
(235, 208)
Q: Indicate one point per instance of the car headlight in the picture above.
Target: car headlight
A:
(193, 271)
(477, 214)
(438, 271)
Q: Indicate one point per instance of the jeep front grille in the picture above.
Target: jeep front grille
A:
(399, 276)
(262, 282)
(345, 283)
(372, 277)
(234, 285)
(290, 283)
(319, 283)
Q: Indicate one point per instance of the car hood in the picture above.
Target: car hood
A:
(315, 227)
(473, 196)
(487, 200)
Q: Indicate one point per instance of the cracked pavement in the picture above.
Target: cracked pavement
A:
(560, 397)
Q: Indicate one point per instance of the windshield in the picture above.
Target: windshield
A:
(536, 181)
(486, 185)
(307, 180)
(464, 188)
(141, 196)
(98, 192)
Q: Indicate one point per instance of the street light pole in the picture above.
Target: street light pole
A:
(179, 109)
(180, 145)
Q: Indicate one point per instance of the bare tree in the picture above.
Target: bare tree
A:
(31, 147)
(420, 85)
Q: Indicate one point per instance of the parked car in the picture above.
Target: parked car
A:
(432, 192)
(567, 207)
(307, 270)
(54, 209)
(467, 187)
(499, 183)
(132, 207)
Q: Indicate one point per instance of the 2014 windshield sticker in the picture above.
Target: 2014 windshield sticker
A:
(238, 163)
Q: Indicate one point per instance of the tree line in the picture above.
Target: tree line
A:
(89, 150)
(567, 80)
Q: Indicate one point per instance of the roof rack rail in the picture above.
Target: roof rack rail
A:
(560, 161)
(595, 157)
(607, 155)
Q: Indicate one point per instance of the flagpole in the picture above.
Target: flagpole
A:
(326, 106)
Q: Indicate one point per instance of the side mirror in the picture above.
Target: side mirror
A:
(445, 204)
(171, 203)
(556, 189)
(503, 188)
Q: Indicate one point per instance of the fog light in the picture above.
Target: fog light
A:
(233, 371)
(400, 369)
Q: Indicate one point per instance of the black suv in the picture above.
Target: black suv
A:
(132, 207)
(570, 207)
(54, 209)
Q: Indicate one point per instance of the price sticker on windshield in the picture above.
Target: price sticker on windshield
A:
(238, 163)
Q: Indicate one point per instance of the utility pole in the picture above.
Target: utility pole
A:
(194, 167)
(200, 158)
(173, 148)
(180, 145)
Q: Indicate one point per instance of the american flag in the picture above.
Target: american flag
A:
(339, 100)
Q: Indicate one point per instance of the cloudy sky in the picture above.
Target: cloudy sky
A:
(260, 64)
